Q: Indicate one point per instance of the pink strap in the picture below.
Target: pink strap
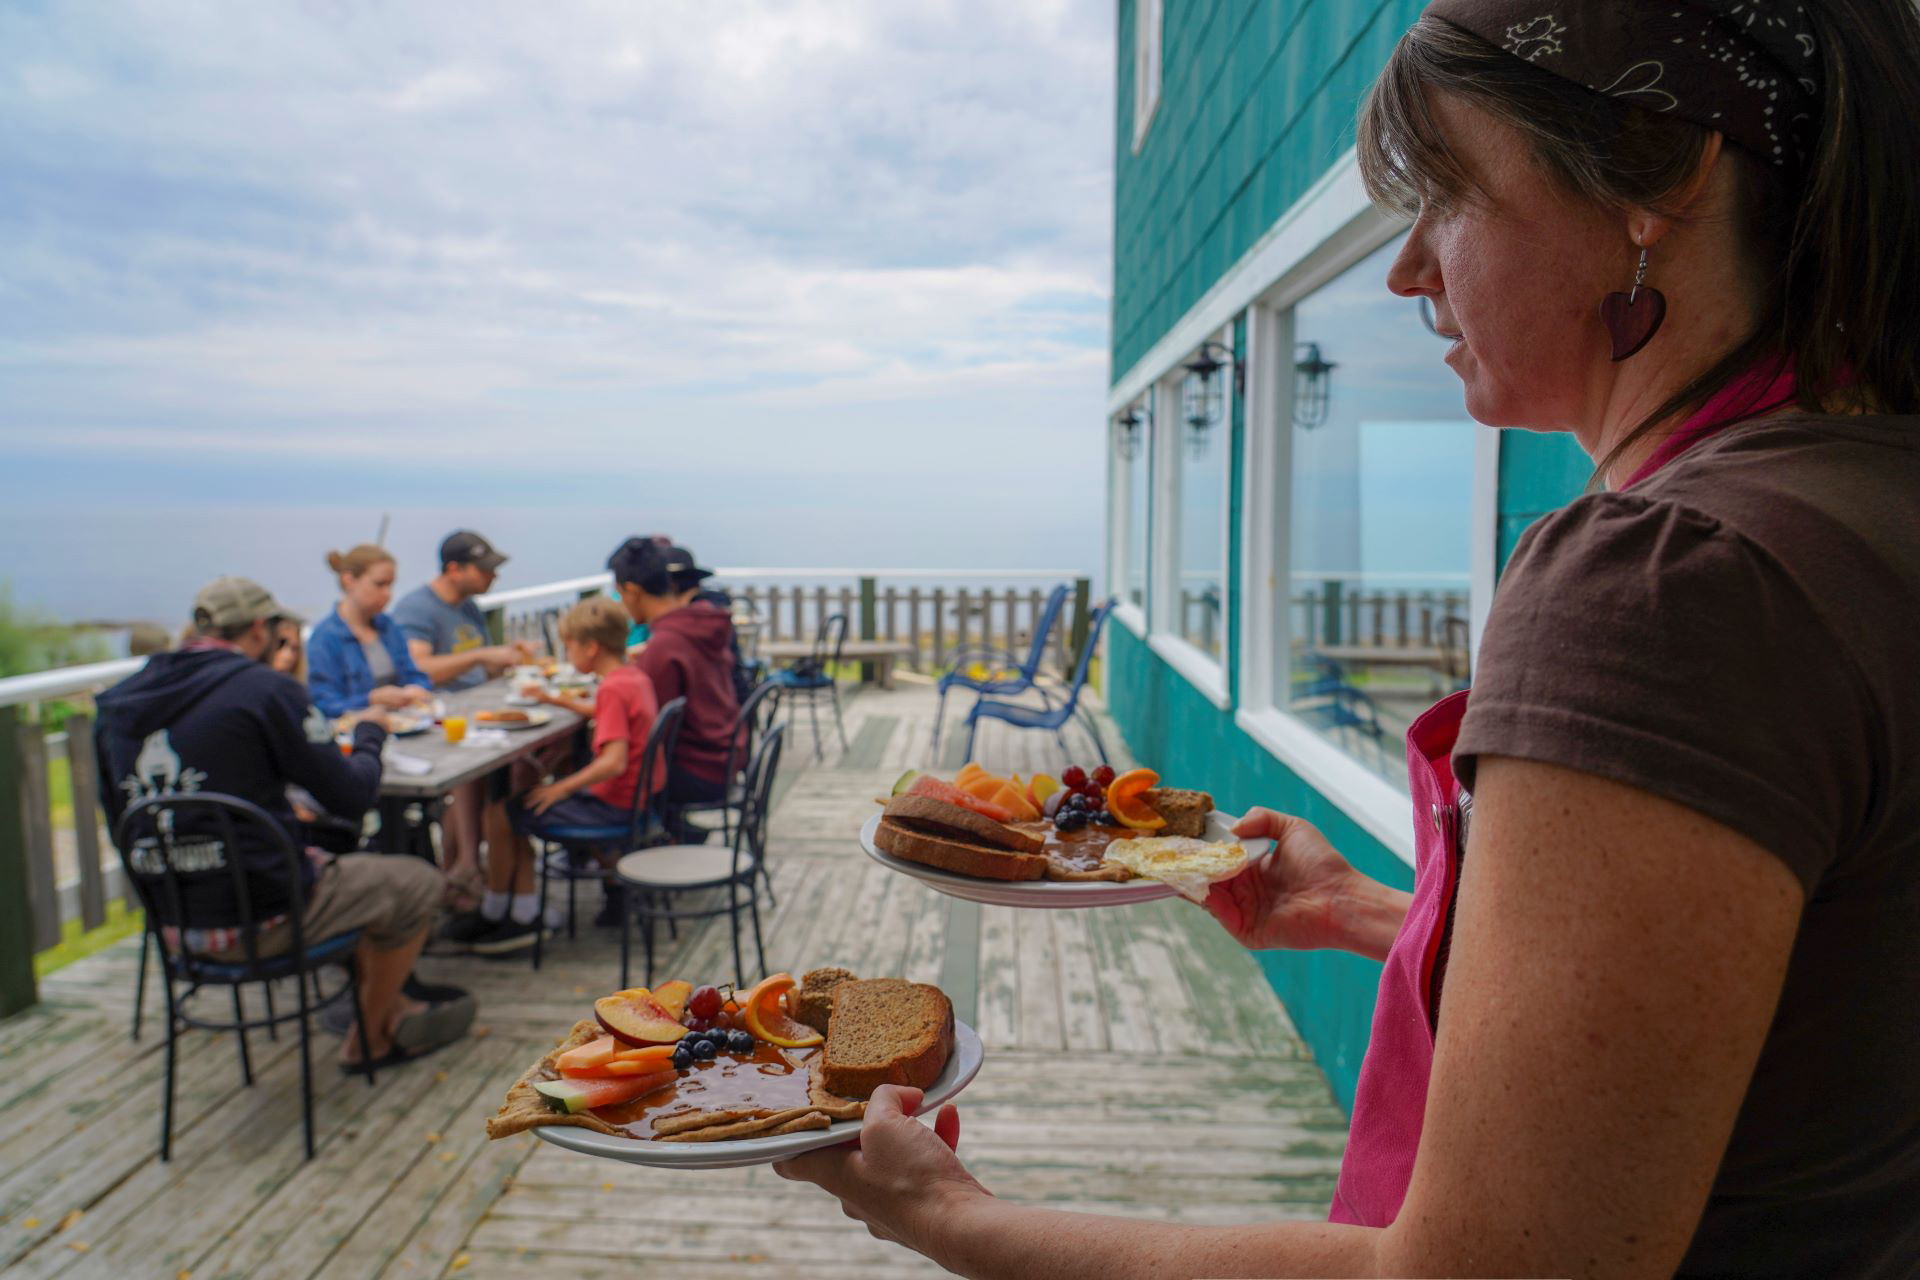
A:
(1765, 387)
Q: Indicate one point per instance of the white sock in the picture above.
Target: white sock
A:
(493, 906)
(526, 908)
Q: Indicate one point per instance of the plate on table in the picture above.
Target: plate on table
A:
(963, 1064)
(491, 719)
(404, 726)
(1052, 893)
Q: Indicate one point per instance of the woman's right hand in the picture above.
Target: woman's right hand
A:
(393, 695)
(1303, 896)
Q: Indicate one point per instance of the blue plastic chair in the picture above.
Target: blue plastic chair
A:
(997, 660)
(1047, 716)
(574, 860)
(155, 837)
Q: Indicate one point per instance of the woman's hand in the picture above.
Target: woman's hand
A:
(1304, 895)
(898, 1176)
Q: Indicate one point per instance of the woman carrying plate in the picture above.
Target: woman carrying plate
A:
(1657, 1013)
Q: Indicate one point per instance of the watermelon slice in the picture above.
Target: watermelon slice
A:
(575, 1096)
(934, 789)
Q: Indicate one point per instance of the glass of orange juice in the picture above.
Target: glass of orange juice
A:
(456, 727)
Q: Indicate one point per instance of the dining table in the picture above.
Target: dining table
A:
(421, 769)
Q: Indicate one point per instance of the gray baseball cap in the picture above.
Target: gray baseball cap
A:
(234, 602)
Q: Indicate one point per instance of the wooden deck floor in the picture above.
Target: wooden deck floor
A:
(1136, 1064)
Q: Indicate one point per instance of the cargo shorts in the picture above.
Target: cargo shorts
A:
(388, 897)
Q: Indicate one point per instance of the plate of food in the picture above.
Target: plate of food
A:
(753, 1077)
(1087, 839)
(511, 718)
(402, 724)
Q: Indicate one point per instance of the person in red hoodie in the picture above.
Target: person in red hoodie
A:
(689, 653)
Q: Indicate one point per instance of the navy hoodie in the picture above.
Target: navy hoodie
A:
(689, 654)
(212, 719)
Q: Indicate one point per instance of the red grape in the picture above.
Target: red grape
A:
(694, 1022)
(705, 1002)
(1074, 778)
(1103, 776)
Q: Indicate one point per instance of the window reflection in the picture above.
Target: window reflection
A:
(1199, 609)
(1133, 437)
(1382, 496)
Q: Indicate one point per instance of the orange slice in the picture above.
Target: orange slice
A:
(1126, 800)
(762, 1015)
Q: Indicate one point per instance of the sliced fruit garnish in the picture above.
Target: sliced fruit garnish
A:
(575, 1096)
(904, 781)
(673, 997)
(634, 1017)
(775, 985)
(628, 1062)
(1126, 800)
(934, 789)
(971, 770)
(1039, 787)
(1010, 798)
(589, 1056)
(984, 785)
(765, 1016)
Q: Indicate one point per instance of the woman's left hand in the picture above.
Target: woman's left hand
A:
(898, 1176)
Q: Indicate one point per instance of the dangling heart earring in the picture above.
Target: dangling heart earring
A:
(1633, 318)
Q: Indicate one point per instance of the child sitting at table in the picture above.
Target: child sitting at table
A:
(599, 795)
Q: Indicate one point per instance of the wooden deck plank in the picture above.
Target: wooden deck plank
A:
(1137, 1065)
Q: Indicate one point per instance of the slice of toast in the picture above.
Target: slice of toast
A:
(953, 822)
(1185, 811)
(812, 1001)
(886, 1031)
(952, 852)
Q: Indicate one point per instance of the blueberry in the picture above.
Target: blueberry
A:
(682, 1056)
(1071, 820)
(1079, 804)
(703, 1049)
(741, 1042)
(1102, 819)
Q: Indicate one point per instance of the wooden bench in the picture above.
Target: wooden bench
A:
(881, 653)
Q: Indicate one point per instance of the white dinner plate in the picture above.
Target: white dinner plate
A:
(1050, 893)
(407, 726)
(533, 721)
(963, 1064)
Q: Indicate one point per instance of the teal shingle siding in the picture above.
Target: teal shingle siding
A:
(1256, 101)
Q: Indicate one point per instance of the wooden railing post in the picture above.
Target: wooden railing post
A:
(1330, 623)
(913, 623)
(16, 910)
(939, 626)
(36, 805)
(868, 607)
(83, 772)
(1077, 633)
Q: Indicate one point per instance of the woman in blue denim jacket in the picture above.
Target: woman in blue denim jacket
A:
(357, 656)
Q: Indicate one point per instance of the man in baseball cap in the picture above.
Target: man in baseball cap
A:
(212, 716)
(446, 631)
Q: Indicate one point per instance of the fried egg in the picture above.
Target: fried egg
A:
(1189, 865)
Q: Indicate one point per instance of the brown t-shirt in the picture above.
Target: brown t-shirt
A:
(1740, 633)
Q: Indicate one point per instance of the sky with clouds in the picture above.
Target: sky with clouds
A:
(807, 282)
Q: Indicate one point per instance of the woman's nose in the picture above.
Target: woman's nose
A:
(1415, 271)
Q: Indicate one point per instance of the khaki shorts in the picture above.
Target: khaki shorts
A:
(389, 897)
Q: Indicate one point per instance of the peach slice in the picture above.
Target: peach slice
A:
(588, 1057)
(673, 997)
(634, 1017)
(628, 1062)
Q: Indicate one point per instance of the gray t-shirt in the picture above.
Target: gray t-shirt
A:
(423, 615)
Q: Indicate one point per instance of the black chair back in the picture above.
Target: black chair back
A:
(827, 643)
(655, 759)
(752, 831)
(756, 713)
(172, 843)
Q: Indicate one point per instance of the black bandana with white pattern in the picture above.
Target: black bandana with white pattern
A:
(1749, 68)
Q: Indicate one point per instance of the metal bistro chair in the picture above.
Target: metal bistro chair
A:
(997, 660)
(812, 678)
(169, 841)
(651, 875)
(1049, 717)
(568, 853)
(756, 716)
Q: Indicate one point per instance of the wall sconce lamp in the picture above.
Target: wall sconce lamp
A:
(1312, 384)
(1126, 433)
(1204, 397)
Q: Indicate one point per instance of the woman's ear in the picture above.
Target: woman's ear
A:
(1647, 228)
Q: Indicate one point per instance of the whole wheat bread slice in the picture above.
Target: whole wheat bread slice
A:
(1185, 811)
(956, 854)
(886, 1031)
(963, 825)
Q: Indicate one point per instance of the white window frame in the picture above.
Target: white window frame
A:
(1149, 28)
(1120, 529)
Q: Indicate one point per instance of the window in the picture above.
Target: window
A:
(1380, 458)
(1190, 521)
(1133, 452)
(1149, 19)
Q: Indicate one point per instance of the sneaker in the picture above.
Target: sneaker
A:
(506, 938)
(429, 992)
(457, 935)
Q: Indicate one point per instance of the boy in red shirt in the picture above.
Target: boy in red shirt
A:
(599, 795)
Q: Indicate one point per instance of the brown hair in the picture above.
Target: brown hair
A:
(599, 620)
(357, 561)
(1837, 246)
